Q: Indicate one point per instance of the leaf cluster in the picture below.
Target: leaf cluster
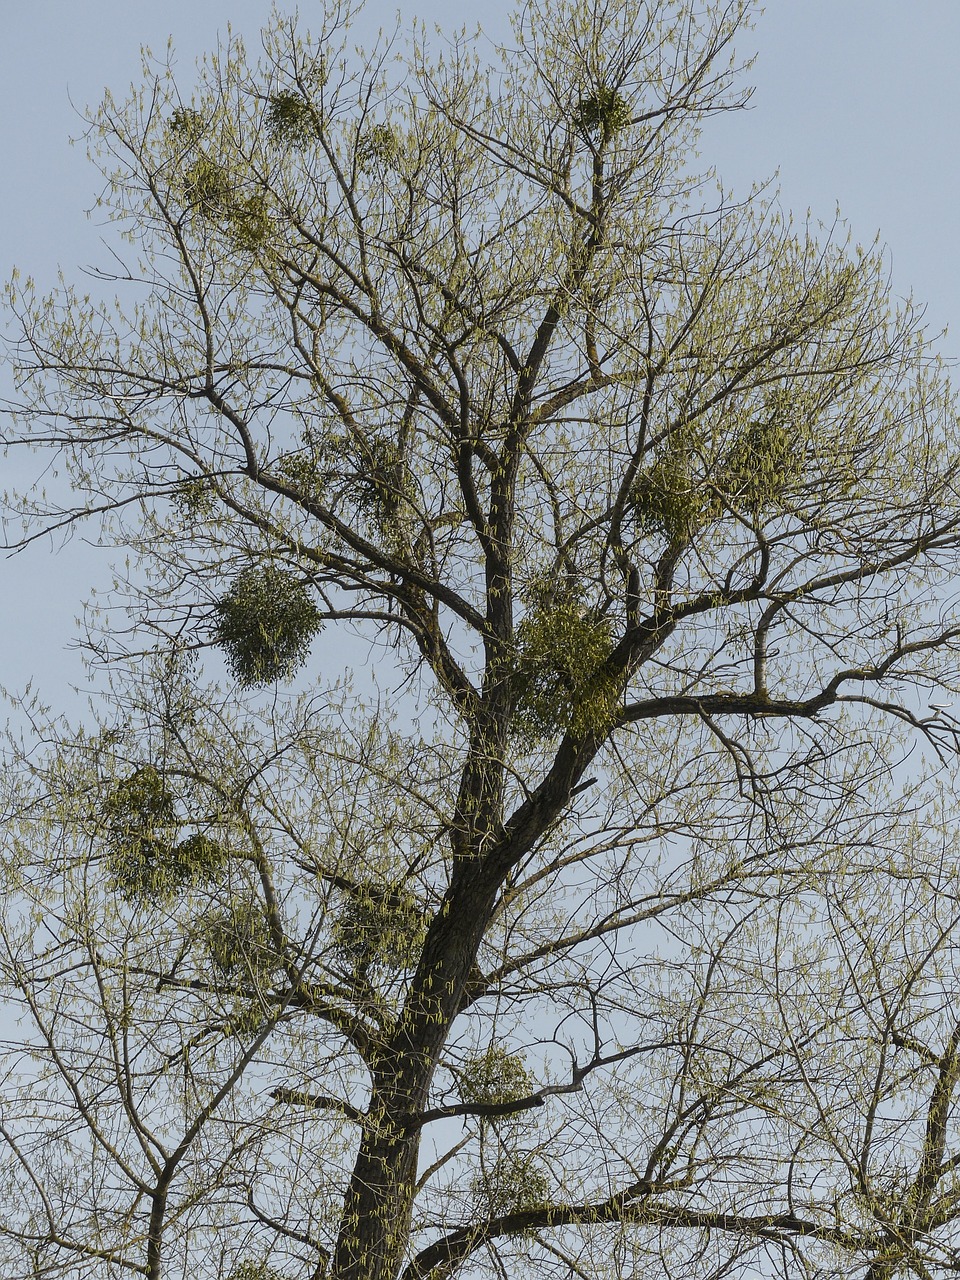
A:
(605, 112)
(212, 192)
(559, 681)
(238, 940)
(672, 497)
(667, 498)
(515, 1183)
(380, 928)
(195, 498)
(265, 624)
(384, 483)
(188, 124)
(381, 144)
(207, 186)
(762, 463)
(496, 1075)
(290, 119)
(248, 1269)
(146, 861)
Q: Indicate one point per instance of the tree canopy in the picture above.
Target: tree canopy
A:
(492, 854)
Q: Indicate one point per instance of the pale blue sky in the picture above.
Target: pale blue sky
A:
(857, 105)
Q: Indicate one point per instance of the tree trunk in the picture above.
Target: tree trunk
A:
(378, 1205)
(375, 1227)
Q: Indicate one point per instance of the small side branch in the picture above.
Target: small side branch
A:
(317, 1102)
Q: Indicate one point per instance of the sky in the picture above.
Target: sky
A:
(856, 108)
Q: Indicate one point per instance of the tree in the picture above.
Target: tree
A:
(607, 942)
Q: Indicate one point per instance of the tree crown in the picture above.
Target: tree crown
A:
(584, 951)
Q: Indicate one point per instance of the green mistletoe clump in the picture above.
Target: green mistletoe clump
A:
(265, 625)
(515, 1183)
(379, 929)
(291, 120)
(239, 941)
(494, 1076)
(147, 861)
(560, 683)
(604, 112)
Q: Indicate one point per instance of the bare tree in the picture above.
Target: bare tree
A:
(602, 944)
